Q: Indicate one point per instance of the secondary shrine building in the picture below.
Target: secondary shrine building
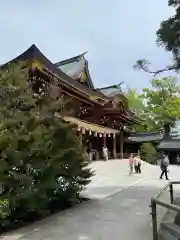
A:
(101, 115)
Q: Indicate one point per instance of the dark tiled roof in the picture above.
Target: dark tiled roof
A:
(169, 144)
(34, 53)
(145, 137)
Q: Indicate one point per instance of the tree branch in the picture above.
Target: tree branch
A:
(143, 64)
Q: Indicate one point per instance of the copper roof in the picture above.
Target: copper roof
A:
(75, 66)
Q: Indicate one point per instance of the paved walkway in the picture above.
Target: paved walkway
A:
(113, 176)
(114, 215)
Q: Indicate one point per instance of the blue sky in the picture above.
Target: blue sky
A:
(116, 33)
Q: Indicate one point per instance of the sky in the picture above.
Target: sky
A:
(115, 33)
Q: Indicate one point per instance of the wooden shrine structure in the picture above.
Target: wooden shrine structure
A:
(101, 115)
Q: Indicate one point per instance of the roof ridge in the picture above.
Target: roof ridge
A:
(71, 59)
(112, 86)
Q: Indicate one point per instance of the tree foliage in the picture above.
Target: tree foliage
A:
(42, 162)
(162, 101)
(135, 103)
(156, 106)
(148, 153)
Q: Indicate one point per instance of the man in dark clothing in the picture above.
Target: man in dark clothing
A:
(178, 160)
(164, 167)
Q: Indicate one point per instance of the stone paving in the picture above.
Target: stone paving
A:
(113, 176)
(115, 214)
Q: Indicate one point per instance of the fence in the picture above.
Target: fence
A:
(169, 206)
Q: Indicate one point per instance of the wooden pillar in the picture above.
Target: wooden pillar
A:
(121, 143)
(81, 138)
(104, 140)
(114, 146)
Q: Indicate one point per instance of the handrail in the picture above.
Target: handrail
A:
(161, 191)
(155, 201)
(167, 205)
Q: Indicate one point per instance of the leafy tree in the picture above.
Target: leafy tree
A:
(157, 106)
(162, 102)
(42, 162)
(135, 102)
(138, 104)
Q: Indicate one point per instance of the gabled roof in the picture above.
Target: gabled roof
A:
(75, 67)
(145, 137)
(111, 90)
(33, 53)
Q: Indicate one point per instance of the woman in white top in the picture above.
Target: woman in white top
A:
(105, 153)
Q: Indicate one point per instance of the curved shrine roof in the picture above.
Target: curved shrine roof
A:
(76, 67)
(67, 70)
(33, 53)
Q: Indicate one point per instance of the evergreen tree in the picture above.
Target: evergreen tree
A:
(41, 159)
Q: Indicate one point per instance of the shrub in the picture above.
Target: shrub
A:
(148, 153)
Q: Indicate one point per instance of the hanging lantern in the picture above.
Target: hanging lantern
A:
(90, 133)
(95, 134)
(104, 135)
(79, 129)
(109, 135)
(100, 135)
(83, 131)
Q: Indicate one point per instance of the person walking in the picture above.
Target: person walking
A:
(131, 164)
(164, 167)
(178, 160)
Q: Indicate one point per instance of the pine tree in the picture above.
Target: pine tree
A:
(41, 159)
